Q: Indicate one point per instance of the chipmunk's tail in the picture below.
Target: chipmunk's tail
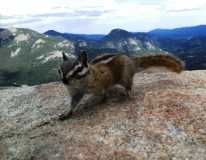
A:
(171, 62)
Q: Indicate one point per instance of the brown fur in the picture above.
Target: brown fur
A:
(99, 79)
(118, 71)
(168, 61)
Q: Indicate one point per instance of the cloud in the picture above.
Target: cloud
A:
(186, 10)
(184, 5)
(26, 11)
(100, 16)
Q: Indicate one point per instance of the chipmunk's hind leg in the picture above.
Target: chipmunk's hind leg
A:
(127, 79)
(127, 87)
(123, 88)
(128, 74)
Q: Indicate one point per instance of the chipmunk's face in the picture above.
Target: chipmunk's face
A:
(74, 73)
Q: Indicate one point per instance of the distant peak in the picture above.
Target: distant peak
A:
(118, 33)
(51, 31)
(118, 30)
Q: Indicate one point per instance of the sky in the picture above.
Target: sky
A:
(101, 16)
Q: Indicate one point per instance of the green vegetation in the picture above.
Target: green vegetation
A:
(31, 58)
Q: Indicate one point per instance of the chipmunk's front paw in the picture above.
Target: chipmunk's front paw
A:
(65, 116)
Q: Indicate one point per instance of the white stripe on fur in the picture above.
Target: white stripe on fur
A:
(105, 61)
(73, 70)
(83, 72)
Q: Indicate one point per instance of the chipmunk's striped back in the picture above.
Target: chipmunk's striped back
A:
(120, 70)
(104, 59)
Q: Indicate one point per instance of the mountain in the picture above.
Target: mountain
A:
(117, 34)
(28, 57)
(75, 37)
(180, 33)
(192, 51)
(5, 36)
(129, 43)
(117, 40)
(188, 43)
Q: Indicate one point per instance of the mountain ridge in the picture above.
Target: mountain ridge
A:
(188, 43)
(179, 33)
(26, 54)
(73, 36)
(187, 31)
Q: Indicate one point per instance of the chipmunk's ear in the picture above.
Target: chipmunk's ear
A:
(64, 56)
(83, 58)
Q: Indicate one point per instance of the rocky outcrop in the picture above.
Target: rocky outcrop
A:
(164, 119)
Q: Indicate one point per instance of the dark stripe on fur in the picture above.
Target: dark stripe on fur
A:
(102, 58)
(75, 74)
(78, 70)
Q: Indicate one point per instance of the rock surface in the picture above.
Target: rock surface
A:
(164, 119)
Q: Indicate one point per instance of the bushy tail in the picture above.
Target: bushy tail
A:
(171, 62)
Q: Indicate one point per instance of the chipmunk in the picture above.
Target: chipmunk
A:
(89, 82)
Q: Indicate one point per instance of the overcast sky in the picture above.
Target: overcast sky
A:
(100, 16)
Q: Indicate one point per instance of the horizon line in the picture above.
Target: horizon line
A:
(109, 30)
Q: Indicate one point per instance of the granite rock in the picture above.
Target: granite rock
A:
(165, 118)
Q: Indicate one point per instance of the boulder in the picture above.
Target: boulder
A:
(165, 118)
